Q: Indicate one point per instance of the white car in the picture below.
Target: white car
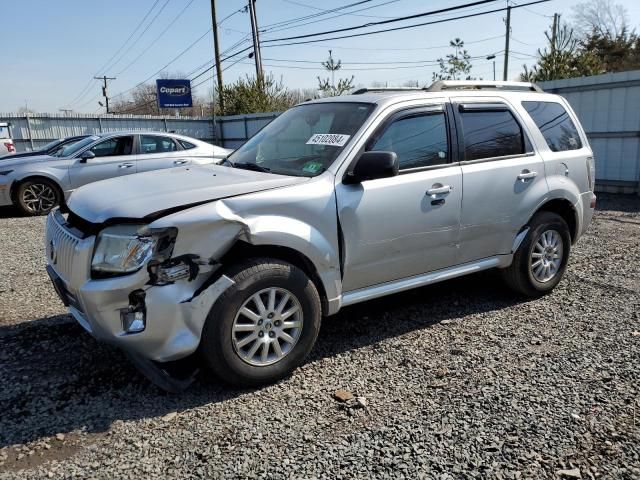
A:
(6, 143)
(38, 184)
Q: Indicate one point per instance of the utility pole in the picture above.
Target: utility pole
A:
(216, 47)
(506, 44)
(493, 57)
(554, 33)
(256, 39)
(104, 78)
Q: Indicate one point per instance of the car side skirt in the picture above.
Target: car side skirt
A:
(396, 286)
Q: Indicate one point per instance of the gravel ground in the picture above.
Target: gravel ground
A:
(458, 380)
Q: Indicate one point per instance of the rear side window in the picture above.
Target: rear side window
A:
(418, 140)
(186, 145)
(555, 124)
(153, 144)
(491, 133)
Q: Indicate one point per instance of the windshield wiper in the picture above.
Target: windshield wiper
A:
(251, 166)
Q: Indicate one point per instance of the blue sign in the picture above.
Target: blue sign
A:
(174, 93)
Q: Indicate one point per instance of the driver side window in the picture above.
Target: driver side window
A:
(113, 147)
(419, 140)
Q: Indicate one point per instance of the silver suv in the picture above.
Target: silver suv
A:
(335, 202)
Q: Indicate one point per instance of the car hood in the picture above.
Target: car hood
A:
(150, 194)
(10, 161)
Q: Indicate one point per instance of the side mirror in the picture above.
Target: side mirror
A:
(372, 165)
(88, 155)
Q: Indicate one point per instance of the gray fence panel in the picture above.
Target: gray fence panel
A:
(36, 130)
(607, 106)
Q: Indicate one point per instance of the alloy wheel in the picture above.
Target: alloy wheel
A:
(267, 326)
(546, 256)
(39, 198)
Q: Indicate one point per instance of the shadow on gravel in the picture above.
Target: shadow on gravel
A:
(55, 378)
(9, 212)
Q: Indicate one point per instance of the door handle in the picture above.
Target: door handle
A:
(125, 165)
(527, 175)
(439, 190)
(180, 162)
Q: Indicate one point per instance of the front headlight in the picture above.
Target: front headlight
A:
(125, 249)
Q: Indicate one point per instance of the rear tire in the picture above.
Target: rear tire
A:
(540, 261)
(270, 302)
(37, 196)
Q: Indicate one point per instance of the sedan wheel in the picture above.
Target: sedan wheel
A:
(37, 197)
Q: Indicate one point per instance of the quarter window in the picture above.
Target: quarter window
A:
(153, 144)
(419, 140)
(555, 124)
(186, 145)
(113, 146)
(491, 133)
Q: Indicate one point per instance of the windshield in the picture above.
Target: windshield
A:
(303, 141)
(69, 150)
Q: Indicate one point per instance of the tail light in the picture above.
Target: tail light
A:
(10, 147)
(591, 172)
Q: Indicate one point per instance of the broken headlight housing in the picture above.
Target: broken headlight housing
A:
(124, 249)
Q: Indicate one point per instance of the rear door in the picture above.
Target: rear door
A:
(113, 157)
(405, 225)
(158, 151)
(503, 177)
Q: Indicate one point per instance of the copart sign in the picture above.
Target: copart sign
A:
(174, 93)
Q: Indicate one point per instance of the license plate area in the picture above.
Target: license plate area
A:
(58, 286)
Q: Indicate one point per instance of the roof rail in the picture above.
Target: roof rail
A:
(441, 85)
(360, 91)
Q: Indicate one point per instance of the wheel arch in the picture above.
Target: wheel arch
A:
(40, 176)
(568, 212)
(242, 250)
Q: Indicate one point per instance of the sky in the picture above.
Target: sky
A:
(51, 50)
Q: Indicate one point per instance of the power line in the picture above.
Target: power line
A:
(434, 47)
(298, 25)
(86, 89)
(460, 17)
(346, 13)
(155, 40)
(314, 15)
(155, 17)
(384, 22)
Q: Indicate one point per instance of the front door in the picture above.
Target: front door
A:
(503, 177)
(113, 157)
(405, 225)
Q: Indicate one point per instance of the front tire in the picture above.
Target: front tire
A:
(263, 326)
(37, 196)
(540, 262)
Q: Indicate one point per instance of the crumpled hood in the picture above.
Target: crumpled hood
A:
(145, 194)
(10, 161)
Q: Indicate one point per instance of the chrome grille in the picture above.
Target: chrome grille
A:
(60, 246)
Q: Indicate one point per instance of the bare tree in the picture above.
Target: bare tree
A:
(328, 86)
(603, 17)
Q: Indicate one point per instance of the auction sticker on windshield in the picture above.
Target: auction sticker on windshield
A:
(333, 139)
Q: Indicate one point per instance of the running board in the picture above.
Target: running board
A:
(380, 290)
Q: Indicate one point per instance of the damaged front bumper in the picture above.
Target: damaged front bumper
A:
(173, 315)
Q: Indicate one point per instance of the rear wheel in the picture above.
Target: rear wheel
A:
(264, 325)
(540, 262)
(38, 196)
